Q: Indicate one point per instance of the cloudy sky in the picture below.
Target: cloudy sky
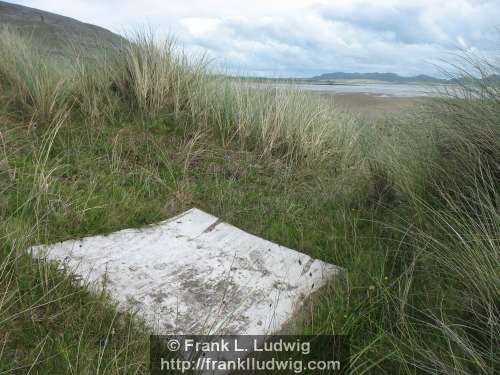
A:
(306, 37)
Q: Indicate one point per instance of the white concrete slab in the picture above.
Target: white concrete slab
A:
(194, 274)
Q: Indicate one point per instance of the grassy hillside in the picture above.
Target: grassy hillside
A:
(56, 33)
(409, 206)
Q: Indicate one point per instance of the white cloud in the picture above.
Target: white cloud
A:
(200, 26)
(306, 37)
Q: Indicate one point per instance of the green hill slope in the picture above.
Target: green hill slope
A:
(55, 32)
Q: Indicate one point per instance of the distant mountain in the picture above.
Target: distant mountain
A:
(493, 78)
(55, 32)
(387, 77)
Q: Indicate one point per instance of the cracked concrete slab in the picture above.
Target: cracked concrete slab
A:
(194, 274)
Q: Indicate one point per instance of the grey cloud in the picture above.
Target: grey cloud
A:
(396, 23)
(291, 47)
(442, 23)
(404, 37)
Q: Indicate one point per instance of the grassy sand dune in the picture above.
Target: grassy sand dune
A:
(408, 204)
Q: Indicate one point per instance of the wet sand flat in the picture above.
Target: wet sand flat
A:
(376, 106)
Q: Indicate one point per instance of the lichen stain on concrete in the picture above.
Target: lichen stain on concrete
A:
(195, 274)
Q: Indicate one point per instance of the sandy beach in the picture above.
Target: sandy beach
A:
(375, 106)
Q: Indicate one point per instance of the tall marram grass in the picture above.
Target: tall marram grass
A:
(459, 247)
(36, 83)
(442, 308)
(277, 121)
(153, 76)
(441, 312)
(150, 78)
(462, 240)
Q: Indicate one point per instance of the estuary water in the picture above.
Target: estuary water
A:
(379, 89)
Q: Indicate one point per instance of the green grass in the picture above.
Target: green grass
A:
(409, 206)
